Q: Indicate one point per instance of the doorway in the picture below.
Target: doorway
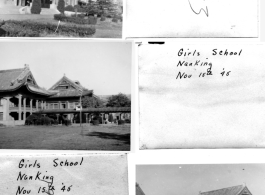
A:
(45, 3)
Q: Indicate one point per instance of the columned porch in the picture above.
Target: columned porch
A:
(14, 110)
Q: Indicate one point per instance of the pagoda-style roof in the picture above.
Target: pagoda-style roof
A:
(66, 87)
(139, 191)
(71, 93)
(41, 91)
(13, 79)
(235, 190)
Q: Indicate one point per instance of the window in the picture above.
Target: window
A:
(50, 106)
(56, 106)
(71, 105)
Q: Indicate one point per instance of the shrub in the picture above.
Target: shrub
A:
(56, 122)
(80, 15)
(76, 20)
(52, 121)
(2, 32)
(92, 20)
(121, 122)
(31, 119)
(79, 9)
(115, 20)
(46, 120)
(36, 7)
(61, 6)
(37, 119)
(38, 122)
(102, 18)
(28, 28)
(67, 122)
(127, 121)
(60, 17)
(52, 116)
(69, 8)
(95, 122)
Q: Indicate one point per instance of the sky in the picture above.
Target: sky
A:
(104, 67)
(191, 179)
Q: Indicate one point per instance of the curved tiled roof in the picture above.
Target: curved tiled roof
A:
(76, 92)
(138, 190)
(71, 93)
(40, 90)
(77, 86)
(11, 79)
(235, 190)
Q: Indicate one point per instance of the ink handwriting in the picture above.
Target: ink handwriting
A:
(204, 10)
(43, 176)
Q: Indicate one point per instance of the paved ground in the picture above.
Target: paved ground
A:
(102, 137)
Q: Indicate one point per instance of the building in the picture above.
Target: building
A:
(235, 190)
(51, 3)
(138, 190)
(21, 96)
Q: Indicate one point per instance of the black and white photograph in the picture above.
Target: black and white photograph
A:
(61, 18)
(200, 179)
(65, 95)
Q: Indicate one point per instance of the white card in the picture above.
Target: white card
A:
(191, 18)
(64, 174)
(202, 96)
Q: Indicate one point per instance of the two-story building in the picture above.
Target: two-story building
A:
(21, 96)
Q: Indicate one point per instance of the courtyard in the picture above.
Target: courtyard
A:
(109, 137)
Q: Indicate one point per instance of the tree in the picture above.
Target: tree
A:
(120, 100)
(91, 102)
(36, 7)
(61, 5)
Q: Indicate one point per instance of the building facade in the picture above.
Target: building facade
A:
(21, 96)
(51, 3)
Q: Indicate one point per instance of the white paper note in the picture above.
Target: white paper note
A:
(64, 174)
(202, 96)
(191, 18)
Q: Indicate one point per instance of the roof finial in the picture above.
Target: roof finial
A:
(245, 184)
(26, 66)
(64, 74)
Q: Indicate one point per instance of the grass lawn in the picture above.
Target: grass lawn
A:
(104, 29)
(102, 137)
